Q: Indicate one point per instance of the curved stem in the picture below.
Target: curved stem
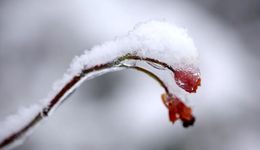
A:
(152, 75)
(71, 85)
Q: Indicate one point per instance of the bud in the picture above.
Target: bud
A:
(178, 110)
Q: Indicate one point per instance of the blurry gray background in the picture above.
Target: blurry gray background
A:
(123, 110)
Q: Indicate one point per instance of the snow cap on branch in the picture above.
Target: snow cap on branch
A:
(154, 39)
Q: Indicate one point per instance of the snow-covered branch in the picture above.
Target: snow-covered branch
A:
(160, 44)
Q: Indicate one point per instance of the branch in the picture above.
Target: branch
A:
(139, 45)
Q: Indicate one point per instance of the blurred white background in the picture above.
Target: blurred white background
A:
(123, 110)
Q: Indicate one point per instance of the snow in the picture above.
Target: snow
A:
(154, 39)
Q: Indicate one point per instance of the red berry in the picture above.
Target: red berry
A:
(187, 80)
